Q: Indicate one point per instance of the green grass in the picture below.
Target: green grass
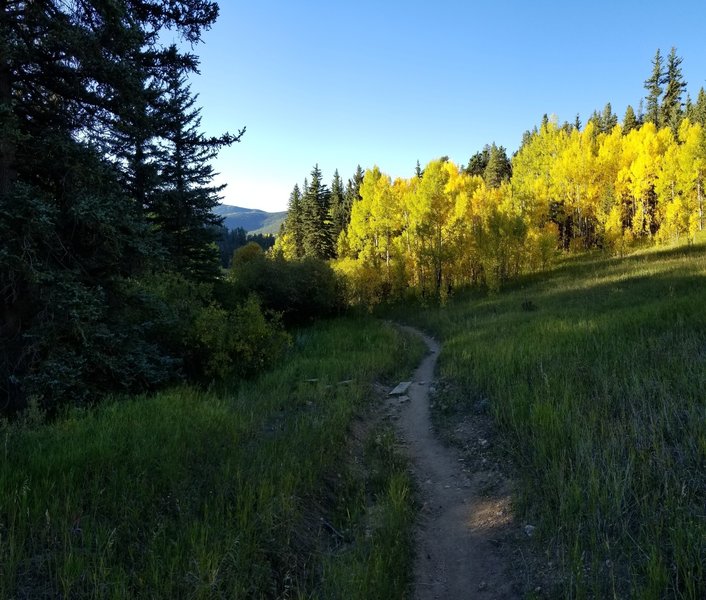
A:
(192, 494)
(596, 375)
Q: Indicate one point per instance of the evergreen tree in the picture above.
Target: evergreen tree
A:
(653, 85)
(478, 163)
(418, 170)
(498, 168)
(697, 113)
(629, 120)
(352, 193)
(316, 223)
(182, 210)
(338, 206)
(577, 123)
(293, 225)
(74, 93)
(672, 107)
(608, 119)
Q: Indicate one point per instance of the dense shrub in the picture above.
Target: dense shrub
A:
(209, 339)
(299, 290)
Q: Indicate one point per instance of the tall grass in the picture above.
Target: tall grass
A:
(190, 494)
(596, 374)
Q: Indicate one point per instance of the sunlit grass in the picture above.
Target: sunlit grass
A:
(191, 494)
(596, 375)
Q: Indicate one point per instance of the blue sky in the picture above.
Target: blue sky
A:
(390, 83)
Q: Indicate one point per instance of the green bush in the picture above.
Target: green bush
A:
(300, 290)
(240, 342)
(211, 340)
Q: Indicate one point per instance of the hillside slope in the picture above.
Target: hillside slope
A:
(251, 220)
(595, 375)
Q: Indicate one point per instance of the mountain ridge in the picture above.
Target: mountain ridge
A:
(252, 220)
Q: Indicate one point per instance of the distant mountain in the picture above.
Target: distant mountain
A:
(251, 219)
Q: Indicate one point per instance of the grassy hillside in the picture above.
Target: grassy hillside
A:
(251, 220)
(596, 374)
(247, 493)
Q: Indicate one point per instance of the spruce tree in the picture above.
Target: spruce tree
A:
(418, 172)
(653, 85)
(76, 82)
(338, 206)
(293, 224)
(629, 120)
(182, 209)
(698, 110)
(498, 168)
(608, 119)
(672, 107)
(478, 162)
(352, 193)
(316, 224)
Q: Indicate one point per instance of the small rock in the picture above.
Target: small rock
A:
(482, 586)
(529, 530)
(483, 443)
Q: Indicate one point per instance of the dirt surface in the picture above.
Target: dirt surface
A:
(465, 537)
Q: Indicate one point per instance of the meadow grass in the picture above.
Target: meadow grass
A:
(596, 375)
(195, 494)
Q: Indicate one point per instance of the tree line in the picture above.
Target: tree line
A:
(608, 185)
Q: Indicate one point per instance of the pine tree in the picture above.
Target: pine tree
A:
(478, 163)
(316, 224)
(698, 110)
(419, 173)
(498, 168)
(73, 93)
(653, 85)
(608, 119)
(338, 206)
(577, 122)
(293, 225)
(672, 107)
(629, 120)
(352, 193)
(182, 210)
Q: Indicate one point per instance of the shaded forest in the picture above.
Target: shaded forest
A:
(110, 275)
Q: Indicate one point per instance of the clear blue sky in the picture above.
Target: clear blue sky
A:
(387, 83)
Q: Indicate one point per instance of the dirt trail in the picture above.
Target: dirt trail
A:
(460, 547)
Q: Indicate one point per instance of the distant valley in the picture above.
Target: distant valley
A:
(250, 219)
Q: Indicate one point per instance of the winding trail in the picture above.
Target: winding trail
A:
(456, 541)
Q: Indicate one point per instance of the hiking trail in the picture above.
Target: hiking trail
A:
(460, 540)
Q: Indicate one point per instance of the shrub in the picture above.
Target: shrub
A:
(299, 290)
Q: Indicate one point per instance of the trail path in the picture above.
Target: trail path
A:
(459, 555)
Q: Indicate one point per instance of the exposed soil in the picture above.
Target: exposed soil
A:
(468, 543)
